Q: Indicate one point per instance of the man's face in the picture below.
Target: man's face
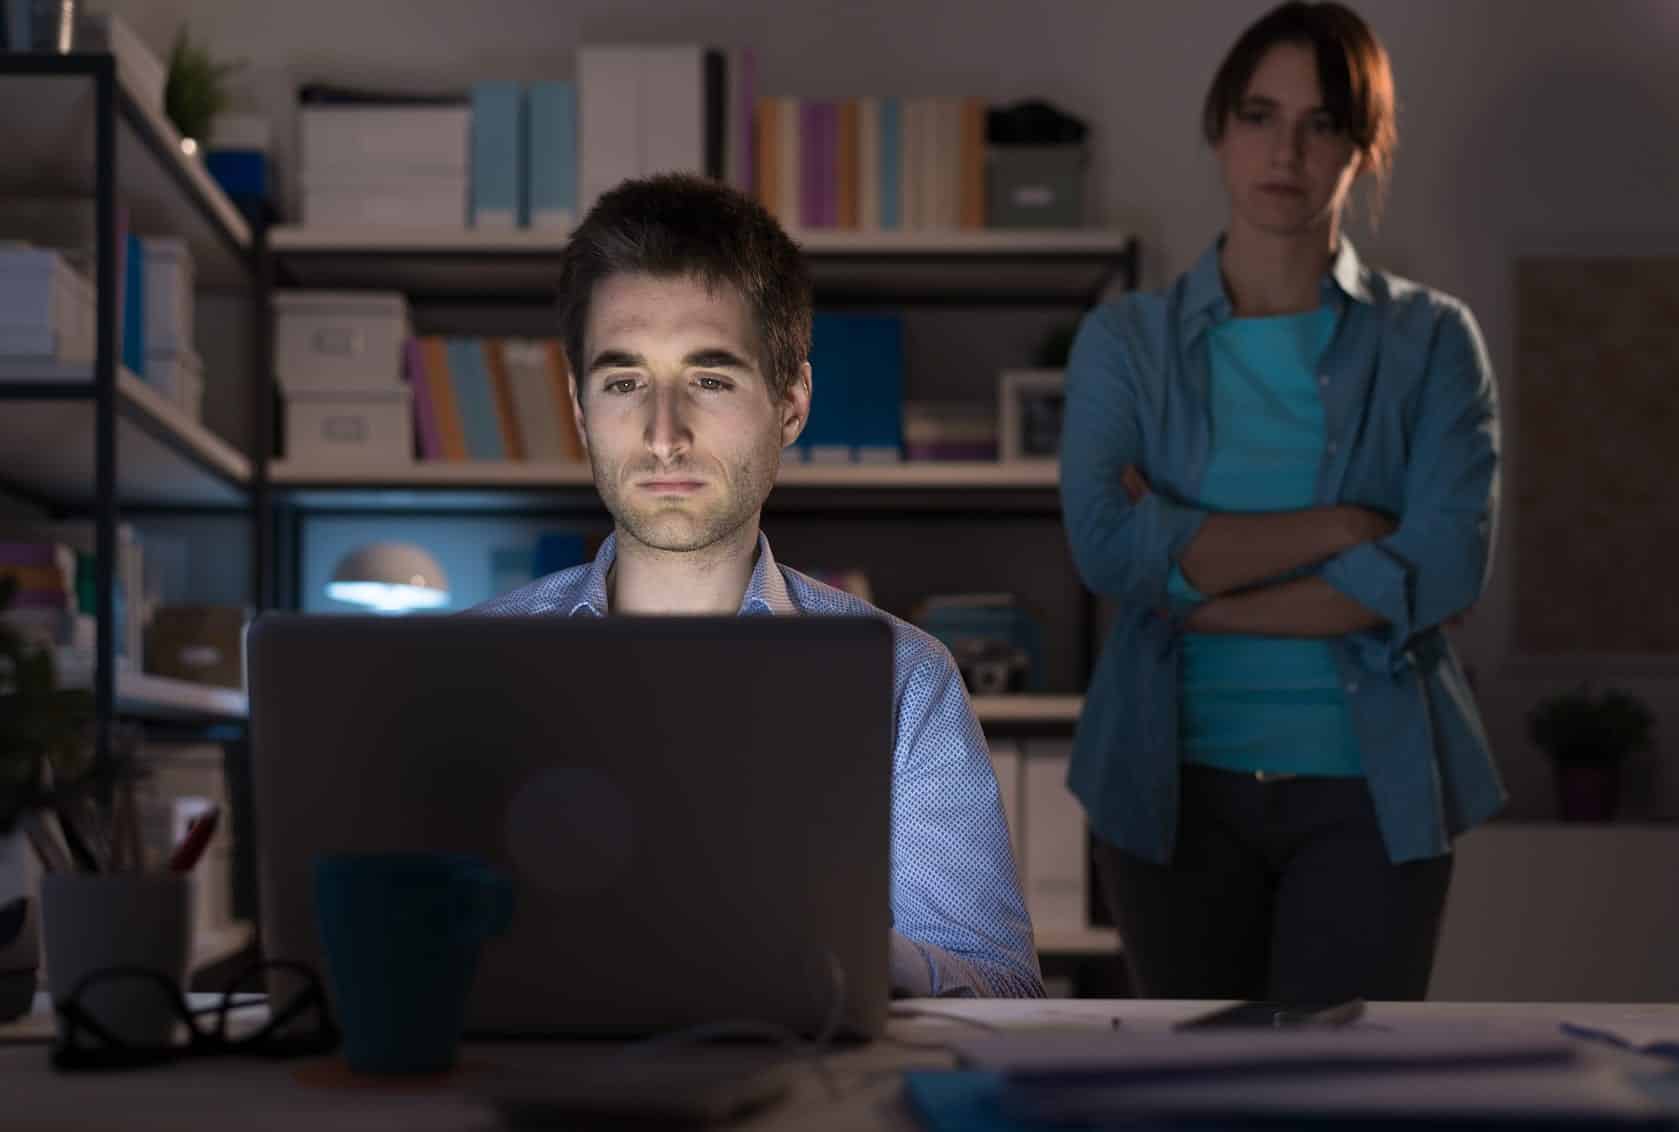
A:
(675, 412)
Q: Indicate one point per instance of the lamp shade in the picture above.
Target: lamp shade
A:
(391, 577)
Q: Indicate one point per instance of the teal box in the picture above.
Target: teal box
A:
(497, 158)
(551, 127)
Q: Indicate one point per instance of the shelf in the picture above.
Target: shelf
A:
(1086, 941)
(441, 486)
(164, 457)
(977, 267)
(50, 151)
(142, 695)
(1028, 709)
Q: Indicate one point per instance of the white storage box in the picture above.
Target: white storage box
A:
(179, 376)
(339, 340)
(353, 142)
(430, 202)
(169, 284)
(46, 308)
(375, 427)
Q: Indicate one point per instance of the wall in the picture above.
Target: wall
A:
(1524, 127)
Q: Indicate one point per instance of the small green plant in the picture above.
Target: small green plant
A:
(46, 732)
(196, 89)
(1579, 728)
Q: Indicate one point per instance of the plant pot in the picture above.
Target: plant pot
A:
(1588, 792)
(19, 945)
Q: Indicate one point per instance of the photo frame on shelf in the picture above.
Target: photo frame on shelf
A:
(1029, 408)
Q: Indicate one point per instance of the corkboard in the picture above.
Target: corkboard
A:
(1596, 556)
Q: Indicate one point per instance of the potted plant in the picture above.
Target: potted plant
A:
(195, 90)
(1589, 737)
(46, 761)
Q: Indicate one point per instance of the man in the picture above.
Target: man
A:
(687, 324)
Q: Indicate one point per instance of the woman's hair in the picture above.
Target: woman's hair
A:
(1353, 72)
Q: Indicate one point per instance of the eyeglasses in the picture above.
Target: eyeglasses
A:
(301, 1027)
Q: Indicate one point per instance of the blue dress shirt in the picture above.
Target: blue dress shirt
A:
(1411, 422)
(959, 925)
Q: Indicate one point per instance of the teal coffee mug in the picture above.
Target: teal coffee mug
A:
(402, 932)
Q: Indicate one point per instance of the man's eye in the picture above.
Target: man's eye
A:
(713, 384)
(620, 385)
(1251, 117)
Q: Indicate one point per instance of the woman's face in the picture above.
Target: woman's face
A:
(1288, 170)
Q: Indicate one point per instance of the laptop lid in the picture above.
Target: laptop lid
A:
(694, 811)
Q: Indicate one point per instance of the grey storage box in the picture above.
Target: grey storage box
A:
(1034, 186)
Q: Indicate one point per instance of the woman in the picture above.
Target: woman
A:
(1283, 471)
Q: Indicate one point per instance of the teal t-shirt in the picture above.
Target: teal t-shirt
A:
(1264, 703)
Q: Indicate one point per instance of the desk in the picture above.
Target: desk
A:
(254, 1096)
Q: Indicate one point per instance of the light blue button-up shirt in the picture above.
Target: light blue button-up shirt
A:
(959, 925)
(1411, 429)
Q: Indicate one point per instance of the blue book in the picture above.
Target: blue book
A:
(471, 379)
(551, 146)
(891, 162)
(134, 304)
(857, 363)
(497, 177)
(20, 31)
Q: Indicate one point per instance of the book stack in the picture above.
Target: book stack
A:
(492, 399)
(666, 109)
(857, 363)
(872, 163)
(46, 310)
(55, 570)
(384, 163)
(950, 430)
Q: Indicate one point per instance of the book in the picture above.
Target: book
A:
(768, 158)
(425, 414)
(472, 395)
(673, 109)
(451, 430)
(608, 120)
(715, 73)
(498, 157)
(811, 140)
(973, 163)
(868, 193)
(501, 391)
(891, 186)
(551, 154)
(847, 180)
(534, 404)
(559, 374)
(791, 117)
(741, 139)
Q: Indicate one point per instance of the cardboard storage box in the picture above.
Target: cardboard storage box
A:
(1034, 186)
(372, 427)
(179, 376)
(339, 340)
(201, 643)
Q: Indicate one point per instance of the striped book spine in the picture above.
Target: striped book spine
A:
(450, 430)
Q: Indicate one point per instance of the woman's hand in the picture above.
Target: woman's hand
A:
(1136, 486)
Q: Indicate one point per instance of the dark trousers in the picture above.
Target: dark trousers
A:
(1278, 890)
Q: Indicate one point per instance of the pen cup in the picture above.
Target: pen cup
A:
(92, 922)
(401, 932)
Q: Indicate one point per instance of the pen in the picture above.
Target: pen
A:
(192, 845)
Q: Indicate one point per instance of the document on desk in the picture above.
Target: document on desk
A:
(1422, 1075)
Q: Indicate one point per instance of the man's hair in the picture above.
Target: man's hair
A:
(1353, 72)
(677, 225)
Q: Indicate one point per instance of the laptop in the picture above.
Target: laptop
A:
(694, 812)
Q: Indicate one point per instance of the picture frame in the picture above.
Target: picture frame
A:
(1030, 403)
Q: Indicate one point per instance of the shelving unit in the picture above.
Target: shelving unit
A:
(95, 440)
(878, 268)
(88, 136)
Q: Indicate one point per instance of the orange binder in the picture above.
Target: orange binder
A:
(501, 393)
(450, 431)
